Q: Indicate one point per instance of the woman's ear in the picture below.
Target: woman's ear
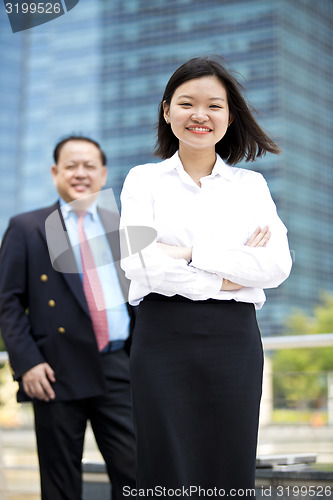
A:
(166, 112)
(231, 119)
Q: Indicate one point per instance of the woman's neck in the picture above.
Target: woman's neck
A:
(197, 163)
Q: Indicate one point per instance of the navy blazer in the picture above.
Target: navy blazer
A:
(43, 312)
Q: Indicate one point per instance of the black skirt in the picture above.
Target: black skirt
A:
(196, 374)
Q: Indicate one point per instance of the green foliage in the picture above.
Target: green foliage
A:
(2, 345)
(298, 323)
(309, 388)
(324, 315)
(292, 416)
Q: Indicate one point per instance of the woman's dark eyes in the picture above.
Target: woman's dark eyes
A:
(215, 106)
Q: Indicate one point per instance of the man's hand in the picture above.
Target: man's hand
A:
(259, 238)
(36, 382)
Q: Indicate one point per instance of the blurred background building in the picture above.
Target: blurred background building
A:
(101, 69)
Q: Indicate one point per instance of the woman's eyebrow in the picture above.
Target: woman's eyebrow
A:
(184, 96)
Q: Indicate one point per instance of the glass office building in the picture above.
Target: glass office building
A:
(101, 70)
(50, 87)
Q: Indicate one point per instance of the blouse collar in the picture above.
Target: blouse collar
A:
(220, 168)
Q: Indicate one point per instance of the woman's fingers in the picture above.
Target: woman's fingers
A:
(259, 238)
(253, 237)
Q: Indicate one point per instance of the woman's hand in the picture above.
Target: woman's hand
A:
(228, 286)
(176, 252)
(259, 238)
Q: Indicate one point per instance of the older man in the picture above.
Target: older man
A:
(69, 353)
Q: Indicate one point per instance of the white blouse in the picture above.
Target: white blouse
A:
(216, 220)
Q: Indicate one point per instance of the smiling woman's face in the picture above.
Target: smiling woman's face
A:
(199, 113)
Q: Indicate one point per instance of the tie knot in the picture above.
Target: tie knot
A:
(81, 214)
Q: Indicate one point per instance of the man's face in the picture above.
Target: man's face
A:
(79, 171)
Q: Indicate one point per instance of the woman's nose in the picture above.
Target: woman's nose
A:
(199, 116)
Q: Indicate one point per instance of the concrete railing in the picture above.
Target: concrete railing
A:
(297, 341)
(3, 357)
(290, 342)
(273, 343)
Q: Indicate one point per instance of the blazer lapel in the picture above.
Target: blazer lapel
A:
(53, 231)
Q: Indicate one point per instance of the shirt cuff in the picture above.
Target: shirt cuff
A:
(207, 284)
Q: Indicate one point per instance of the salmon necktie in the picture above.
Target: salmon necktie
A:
(92, 287)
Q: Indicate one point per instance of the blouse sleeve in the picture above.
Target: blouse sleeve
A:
(151, 267)
(262, 267)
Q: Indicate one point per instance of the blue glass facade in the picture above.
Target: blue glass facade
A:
(56, 92)
(101, 69)
(306, 105)
(10, 123)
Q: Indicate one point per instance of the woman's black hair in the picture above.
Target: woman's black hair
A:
(244, 137)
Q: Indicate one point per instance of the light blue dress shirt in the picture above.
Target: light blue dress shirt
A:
(117, 314)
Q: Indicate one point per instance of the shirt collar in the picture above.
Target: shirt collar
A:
(67, 209)
(220, 168)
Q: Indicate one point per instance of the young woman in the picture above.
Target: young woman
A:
(196, 359)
